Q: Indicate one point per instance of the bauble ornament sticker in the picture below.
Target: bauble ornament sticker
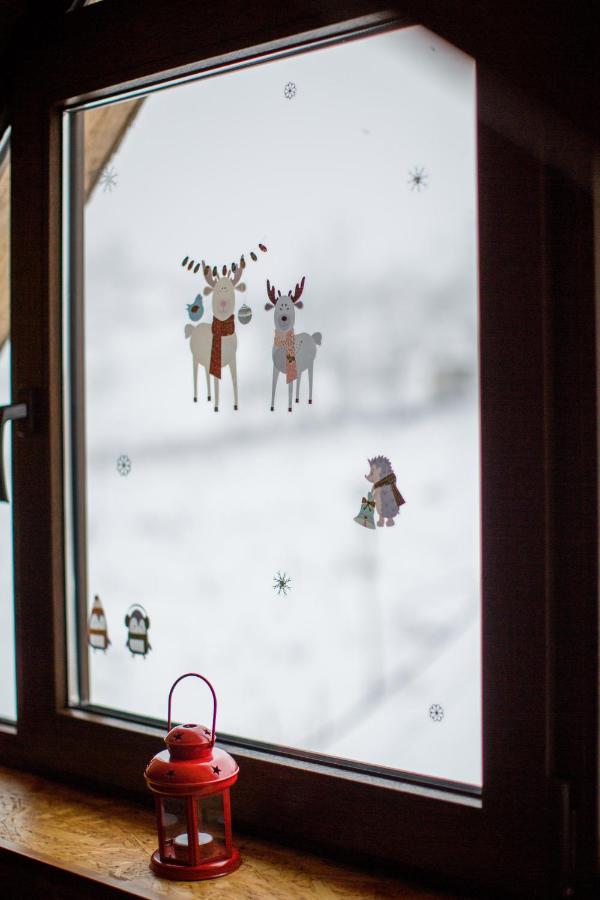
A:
(366, 514)
(244, 314)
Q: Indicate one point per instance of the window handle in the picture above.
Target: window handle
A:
(8, 413)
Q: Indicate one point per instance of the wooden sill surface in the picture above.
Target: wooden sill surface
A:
(109, 842)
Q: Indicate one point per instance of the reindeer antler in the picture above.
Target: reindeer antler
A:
(298, 291)
(271, 292)
(208, 274)
(238, 271)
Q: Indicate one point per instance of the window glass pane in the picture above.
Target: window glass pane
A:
(8, 693)
(247, 543)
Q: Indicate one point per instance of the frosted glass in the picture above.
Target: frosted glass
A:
(362, 179)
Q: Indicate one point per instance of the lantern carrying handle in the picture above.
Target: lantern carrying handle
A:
(214, 696)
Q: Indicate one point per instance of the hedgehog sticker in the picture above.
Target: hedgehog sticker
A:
(385, 496)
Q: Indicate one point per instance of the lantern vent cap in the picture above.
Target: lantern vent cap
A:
(190, 741)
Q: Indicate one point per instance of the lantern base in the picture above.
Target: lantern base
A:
(210, 869)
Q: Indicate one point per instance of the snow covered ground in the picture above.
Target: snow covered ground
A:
(378, 625)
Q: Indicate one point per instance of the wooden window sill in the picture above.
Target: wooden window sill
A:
(75, 843)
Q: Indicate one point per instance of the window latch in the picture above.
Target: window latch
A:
(8, 413)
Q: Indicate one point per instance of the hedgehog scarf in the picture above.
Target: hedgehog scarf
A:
(286, 339)
(219, 330)
(391, 480)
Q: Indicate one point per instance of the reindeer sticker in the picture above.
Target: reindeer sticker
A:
(292, 353)
(214, 346)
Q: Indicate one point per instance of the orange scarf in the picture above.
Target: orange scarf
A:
(286, 339)
(219, 330)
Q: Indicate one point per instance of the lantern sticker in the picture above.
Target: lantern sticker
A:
(292, 353)
(366, 514)
(97, 631)
(137, 623)
(214, 346)
(191, 781)
(386, 496)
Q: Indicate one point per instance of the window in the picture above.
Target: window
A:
(365, 640)
(8, 691)
(538, 470)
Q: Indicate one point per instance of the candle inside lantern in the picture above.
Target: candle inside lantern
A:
(182, 839)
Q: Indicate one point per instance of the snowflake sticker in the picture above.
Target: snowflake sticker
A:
(417, 179)
(436, 712)
(282, 583)
(109, 179)
(289, 90)
(123, 465)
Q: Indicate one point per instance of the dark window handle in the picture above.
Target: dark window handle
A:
(14, 411)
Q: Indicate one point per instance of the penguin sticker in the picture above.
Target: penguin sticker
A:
(137, 623)
(97, 631)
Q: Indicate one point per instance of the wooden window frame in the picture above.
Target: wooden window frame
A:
(533, 829)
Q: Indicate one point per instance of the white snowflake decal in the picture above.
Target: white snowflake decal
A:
(123, 464)
(436, 712)
(289, 90)
(282, 584)
(109, 179)
(418, 179)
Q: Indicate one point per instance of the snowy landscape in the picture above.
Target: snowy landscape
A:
(373, 653)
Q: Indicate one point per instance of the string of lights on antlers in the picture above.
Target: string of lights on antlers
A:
(194, 266)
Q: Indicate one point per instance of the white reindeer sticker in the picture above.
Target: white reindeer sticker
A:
(214, 346)
(292, 353)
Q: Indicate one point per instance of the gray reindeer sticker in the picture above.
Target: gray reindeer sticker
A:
(293, 353)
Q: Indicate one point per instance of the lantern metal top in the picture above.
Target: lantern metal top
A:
(189, 742)
(191, 764)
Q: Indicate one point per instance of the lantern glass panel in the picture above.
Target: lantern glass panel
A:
(173, 817)
(211, 828)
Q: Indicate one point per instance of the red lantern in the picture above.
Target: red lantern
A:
(191, 781)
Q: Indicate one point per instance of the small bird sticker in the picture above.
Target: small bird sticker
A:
(196, 309)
